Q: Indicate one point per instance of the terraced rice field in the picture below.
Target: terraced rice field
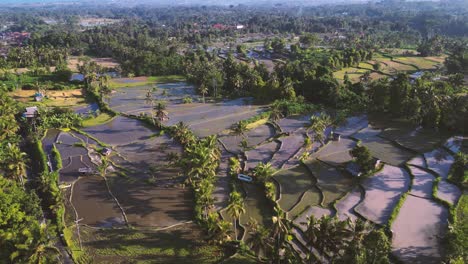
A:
(448, 192)
(315, 211)
(120, 131)
(94, 204)
(293, 183)
(261, 154)
(417, 139)
(386, 151)
(290, 146)
(152, 205)
(312, 197)
(382, 193)
(330, 181)
(422, 183)
(293, 123)
(335, 153)
(440, 161)
(352, 125)
(253, 137)
(418, 230)
(345, 206)
(257, 207)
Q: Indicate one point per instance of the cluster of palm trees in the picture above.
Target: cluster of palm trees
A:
(33, 243)
(12, 159)
(158, 110)
(200, 161)
(318, 124)
(347, 241)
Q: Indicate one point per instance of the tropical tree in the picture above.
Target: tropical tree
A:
(328, 235)
(318, 124)
(280, 230)
(235, 208)
(15, 162)
(44, 252)
(259, 239)
(160, 113)
(263, 171)
(276, 113)
(240, 128)
(220, 230)
(203, 91)
(234, 166)
(363, 158)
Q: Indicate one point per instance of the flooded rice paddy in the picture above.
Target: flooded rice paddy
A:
(145, 190)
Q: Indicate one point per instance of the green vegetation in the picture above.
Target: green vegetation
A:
(97, 120)
(152, 80)
(457, 237)
(396, 209)
(363, 158)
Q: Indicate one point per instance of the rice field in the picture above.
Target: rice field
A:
(293, 183)
(333, 183)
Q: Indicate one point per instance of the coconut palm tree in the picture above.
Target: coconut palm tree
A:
(328, 235)
(203, 91)
(276, 114)
(15, 161)
(280, 230)
(318, 124)
(259, 240)
(240, 128)
(263, 171)
(220, 230)
(43, 251)
(235, 208)
(161, 113)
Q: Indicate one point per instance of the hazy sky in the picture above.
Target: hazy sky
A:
(184, 2)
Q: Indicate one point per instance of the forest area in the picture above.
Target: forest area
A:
(394, 61)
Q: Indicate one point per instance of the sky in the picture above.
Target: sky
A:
(185, 2)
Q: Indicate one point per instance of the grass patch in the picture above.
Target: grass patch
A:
(241, 259)
(457, 238)
(142, 81)
(57, 157)
(98, 120)
(396, 210)
(64, 98)
(146, 246)
(167, 79)
(78, 255)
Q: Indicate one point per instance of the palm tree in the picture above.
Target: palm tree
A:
(263, 171)
(203, 91)
(234, 166)
(259, 239)
(318, 124)
(204, 191)
(219, 229)
(328, 235)
(280, 229)
(15, 161)
(235, 208)
(276, 114)
(161, 113)
(240, 128)
(43, 252)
